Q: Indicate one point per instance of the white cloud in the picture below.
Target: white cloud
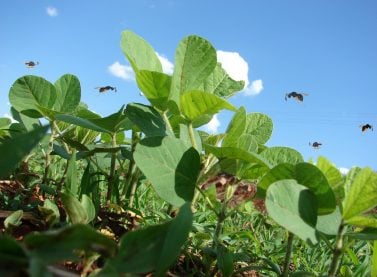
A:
(255, 88)
(213, 125)
(122, 71)
(167, 66)
(343, 170)
(52, 11)
(238, 69)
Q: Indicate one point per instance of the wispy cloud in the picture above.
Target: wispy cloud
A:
(52, 11)
(167, 66)
(212, 126)
(121, 71)
(238, 69)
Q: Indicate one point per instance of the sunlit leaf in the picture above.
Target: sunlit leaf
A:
(14, 219)
(32, 95)
(362, 195)
(195, 104)
(260, 126)
(74, 209)
(139, 52)
(68, 93)
(278, 155)
(195, 59)
(155, 87)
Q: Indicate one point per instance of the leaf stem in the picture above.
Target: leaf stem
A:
(192, 136)
(111, 179)
(49, 150)
(338, 250)
(288, 255)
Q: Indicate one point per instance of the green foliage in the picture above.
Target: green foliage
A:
(89, 170)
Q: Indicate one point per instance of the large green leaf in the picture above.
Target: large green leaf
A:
(195, 104)
(139, 52)
(155, 247)
(195, 59)
(220, 84)
(171, 165)
(363, 221)
(278, 155)
(147, 119)
(32, 95)
(13, 150)
(260, 126)
(155, 87)
(68, 92)
(59, 245)
(307, 175)
(362, 195)
(235, 128)
(293, 207)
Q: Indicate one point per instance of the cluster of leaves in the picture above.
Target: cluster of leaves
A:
(198, 175)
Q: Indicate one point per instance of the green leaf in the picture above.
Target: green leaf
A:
(74, 209)
(155, 87)
(68, 92)
(27, 122)
(139, 53)
(90, 210)
(4, 122)
(147, 119)
(195, 104)
(14, 219)
(362, 195)
(32, 95)
(235, 128)
(184, 135)
(278, 155)
(363, 221)
(155, 247)
(329, 223)
(171, 165)
(59, 245)
(307, 175)
(71, 183)
(224, 260)
(366, 234)
(374, 259)
(220, 84)
(333, 176)
(12, 257)
(82, 122)
(49, 212)
(15, 149)
(195, 59)
(293, 207)
(260, 126)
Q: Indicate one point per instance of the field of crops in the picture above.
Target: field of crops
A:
(144, 192)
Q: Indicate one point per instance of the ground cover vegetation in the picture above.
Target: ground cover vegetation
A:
(144, 192)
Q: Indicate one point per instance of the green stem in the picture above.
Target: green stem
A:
(288, 255)
(338, 250)
(111, 179)
(167, 122)
(131, 167)
(192, 136)
(135, 178)
(47, 154)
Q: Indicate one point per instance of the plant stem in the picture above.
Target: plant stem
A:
(131, 167)
(135, 178)
(288, 255)
(192, 136)
(47, 154)
(111, 179)
(167, 122)
(338, 250)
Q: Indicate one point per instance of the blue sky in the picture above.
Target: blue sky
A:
(324, 48)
